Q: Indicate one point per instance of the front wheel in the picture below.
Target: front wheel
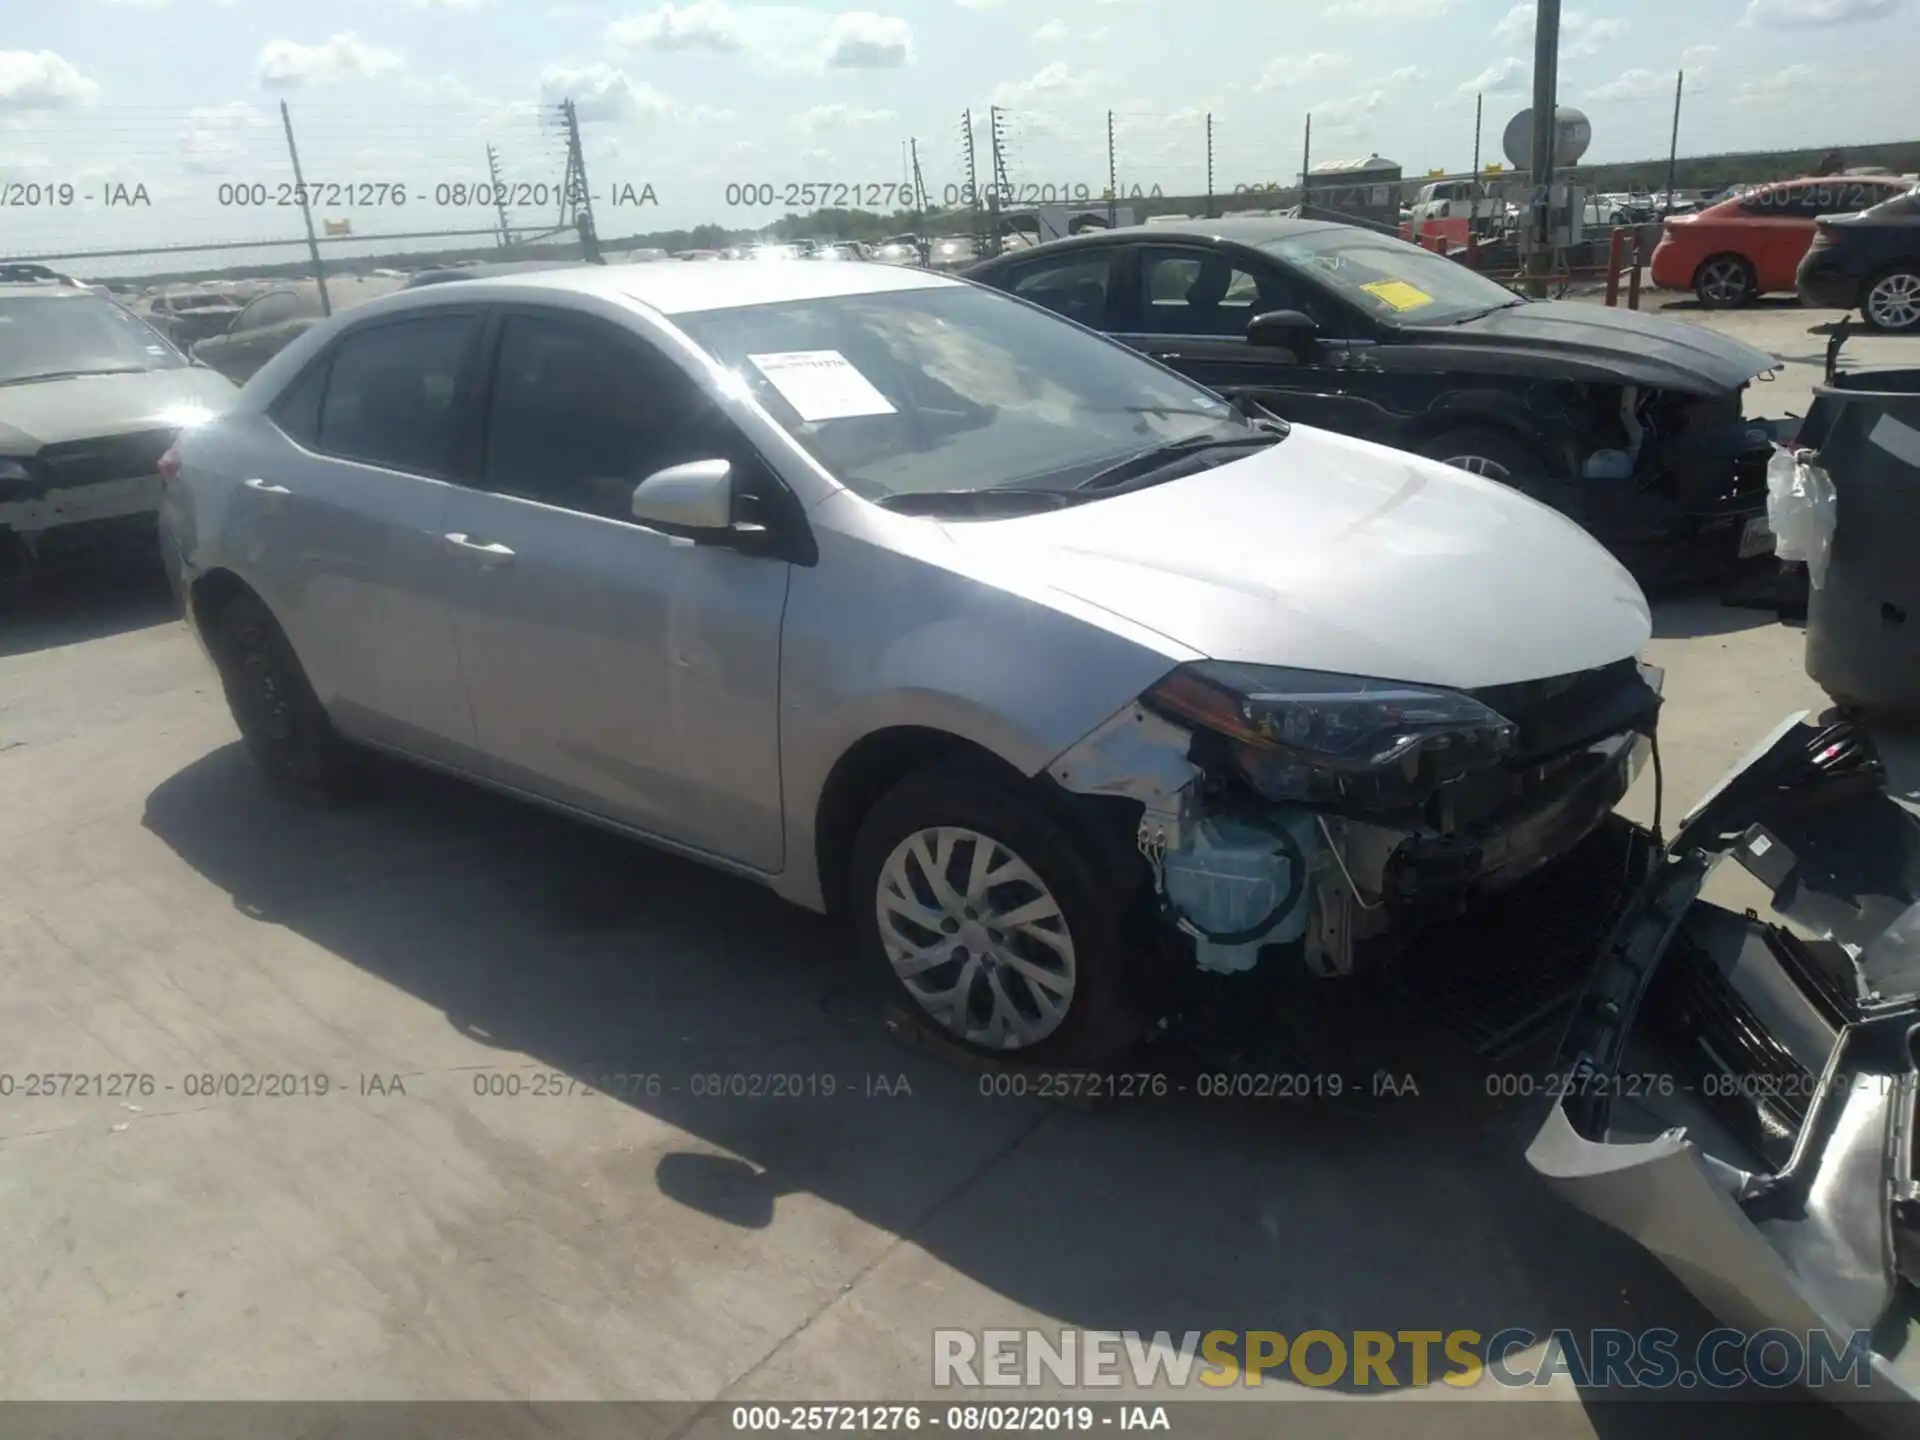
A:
(1892, 302)
(993, 920)
(1486, 451)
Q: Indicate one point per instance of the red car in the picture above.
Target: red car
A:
(1751, 244)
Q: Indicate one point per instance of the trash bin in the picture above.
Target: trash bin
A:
(1863, 622)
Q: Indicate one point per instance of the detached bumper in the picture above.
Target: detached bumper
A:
(1738, 1094)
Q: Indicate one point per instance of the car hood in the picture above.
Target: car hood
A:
(1328, 553)
(1600, 343)
(48, 412)
(1737, 1089)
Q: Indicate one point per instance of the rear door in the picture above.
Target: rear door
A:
(613, 667)
(338, 516)
(1779, 226)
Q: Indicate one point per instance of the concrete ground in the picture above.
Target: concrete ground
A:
(418, 1233)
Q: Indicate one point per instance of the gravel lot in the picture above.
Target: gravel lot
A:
(416, 1238)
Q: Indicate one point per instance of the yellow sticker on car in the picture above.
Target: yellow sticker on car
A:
(1399, 294)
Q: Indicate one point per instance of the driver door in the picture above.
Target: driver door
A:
(612, 667)
(1188, 307)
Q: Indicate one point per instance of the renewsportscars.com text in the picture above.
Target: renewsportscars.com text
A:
(1722, 1359)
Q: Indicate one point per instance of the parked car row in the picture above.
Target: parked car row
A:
(1755, 243)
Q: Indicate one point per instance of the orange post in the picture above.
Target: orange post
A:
(1616, 251)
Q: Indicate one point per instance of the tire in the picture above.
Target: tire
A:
(1726, 282)
(281, 720)
(1895, 293)
(1493, 453)
(1088, 1013)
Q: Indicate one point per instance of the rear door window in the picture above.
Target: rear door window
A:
(392, 397)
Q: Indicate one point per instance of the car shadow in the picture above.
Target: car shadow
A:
(106, 586)
(571, 950)
(1691, 617)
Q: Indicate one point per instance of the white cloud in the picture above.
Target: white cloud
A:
(1292, 69)
(836, 115)
(42, 80)
(698, 25)
(862, 40)
(1698, 54)
(138, 4)
(1582, 33)
(1500, 78)
(980, 4)
(1336, 117)
(600, 93)
(1054, 32)
(456, 6)
(216, 138)
(1392, 9)
(1058, 81)
(1780, 85)
(287, 64)
(1407, 74)
(1632, 85)
(1791, 14)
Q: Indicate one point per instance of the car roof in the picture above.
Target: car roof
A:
(43, 288)
(1237, 229)
(688, 289)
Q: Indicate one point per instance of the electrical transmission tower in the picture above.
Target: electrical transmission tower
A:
(576, 201)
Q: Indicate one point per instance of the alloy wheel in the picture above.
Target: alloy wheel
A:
(1480, 465)
(1894, 303)
(1724, 282)
(976, 937)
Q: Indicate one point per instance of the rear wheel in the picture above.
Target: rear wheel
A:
(1892, 302)
(994, 920)
(281, 720)
(1725, 282)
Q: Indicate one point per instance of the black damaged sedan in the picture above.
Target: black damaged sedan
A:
(1633, 425)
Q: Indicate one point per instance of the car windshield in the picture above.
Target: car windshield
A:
(953, 388)
(1396, 283)
(201, 302)
(76, 335)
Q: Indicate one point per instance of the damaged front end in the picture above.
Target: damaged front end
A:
(1312, 815)
(1737, 1092)
(1675, 483)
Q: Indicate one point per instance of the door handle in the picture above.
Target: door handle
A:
(265, 488)
(490, 554)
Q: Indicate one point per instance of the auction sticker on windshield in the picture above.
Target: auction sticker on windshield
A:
(1399, 294)
(821, 384)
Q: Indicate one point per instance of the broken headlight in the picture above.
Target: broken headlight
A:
(1311, 738)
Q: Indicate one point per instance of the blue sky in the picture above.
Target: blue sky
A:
(182, 96)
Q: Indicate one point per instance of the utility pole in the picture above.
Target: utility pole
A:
(973, 178)
(1306, 167)
(499, 196)
(919, 185)
(1673, 146)
(578, 200)
(1113, 176)
(306, 211)
(997, 192)
(1546, 99)
(1473, 212)
(1209, 165)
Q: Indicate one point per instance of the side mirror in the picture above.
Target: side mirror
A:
(695, 496)
(698, 498)
(1282, 330)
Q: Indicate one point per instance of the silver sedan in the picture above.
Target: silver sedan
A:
(1044, 665)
